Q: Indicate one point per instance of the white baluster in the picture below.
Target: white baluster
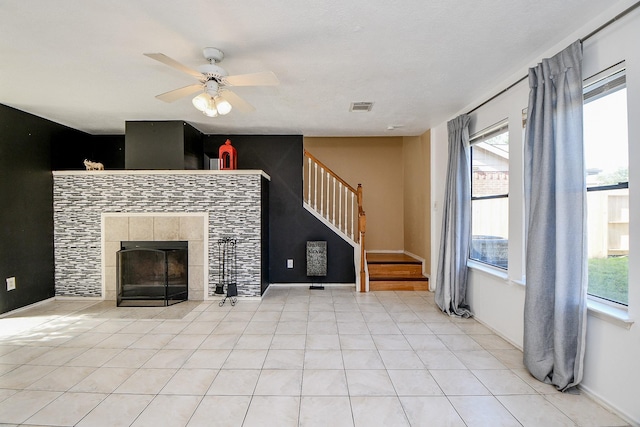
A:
(353, 215)
(340, 206)
(327, 195)
(309, 183)
(334, 201)
(331, 202)
(322, 191)
(315, 186)
(346, 208)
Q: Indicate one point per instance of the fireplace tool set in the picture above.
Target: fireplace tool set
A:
(227, 272)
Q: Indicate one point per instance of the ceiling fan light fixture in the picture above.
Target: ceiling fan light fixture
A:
(201, 102)
(212, 80)
(211, 106)
(222, 105)
(210, 112)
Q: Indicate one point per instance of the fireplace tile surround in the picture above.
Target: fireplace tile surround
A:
(95, 210)
(191, 227)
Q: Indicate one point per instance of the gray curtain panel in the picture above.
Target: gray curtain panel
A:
(555, 217)
(451, 281)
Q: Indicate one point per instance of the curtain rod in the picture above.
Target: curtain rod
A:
(583, 39)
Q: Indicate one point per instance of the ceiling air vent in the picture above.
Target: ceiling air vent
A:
(361, 107)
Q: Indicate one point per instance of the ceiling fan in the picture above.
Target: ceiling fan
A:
(215, 99)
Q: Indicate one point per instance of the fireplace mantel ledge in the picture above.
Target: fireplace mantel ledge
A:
(165, 172)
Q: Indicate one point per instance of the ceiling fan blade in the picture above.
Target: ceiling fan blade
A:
(265, 78)
(173, 63)
(174, 95)
(236, 101)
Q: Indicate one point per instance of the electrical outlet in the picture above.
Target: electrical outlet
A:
(290, 263)
(11, 283)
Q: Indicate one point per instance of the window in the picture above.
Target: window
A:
(607, 167)
(490, 195)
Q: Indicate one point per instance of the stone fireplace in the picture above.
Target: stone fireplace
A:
(95, 211)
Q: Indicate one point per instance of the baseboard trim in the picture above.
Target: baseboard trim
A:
(306, 285)
(604, 402)
(27, 307)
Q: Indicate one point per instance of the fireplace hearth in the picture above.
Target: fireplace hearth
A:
(152, 273)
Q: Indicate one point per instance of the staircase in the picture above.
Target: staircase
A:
(395, 272)
(339, 206)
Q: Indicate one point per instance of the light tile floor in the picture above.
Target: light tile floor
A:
(299, 357)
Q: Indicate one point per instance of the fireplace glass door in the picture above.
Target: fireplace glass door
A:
(152, 273)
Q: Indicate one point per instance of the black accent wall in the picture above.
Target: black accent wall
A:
(31, 147)
(70, 148)
(193, 153)
(291, 226)
(108, 150)
(162, 145)
(26, 216)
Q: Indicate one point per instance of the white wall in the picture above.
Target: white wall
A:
(612, 360)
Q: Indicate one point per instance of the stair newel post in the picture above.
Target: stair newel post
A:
(362, 227)
(360, 237)
(360, 211)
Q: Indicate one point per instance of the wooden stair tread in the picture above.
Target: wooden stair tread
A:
(391, 258)
(398, 278)
(395, 269)
(395, 272)
(399, 285)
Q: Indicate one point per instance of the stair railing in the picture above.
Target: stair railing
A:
(338, 203)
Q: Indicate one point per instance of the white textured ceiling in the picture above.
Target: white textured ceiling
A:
(81, 63)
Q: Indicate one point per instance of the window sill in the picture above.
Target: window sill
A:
(609, 313)
(495, 272)
(487, 269)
